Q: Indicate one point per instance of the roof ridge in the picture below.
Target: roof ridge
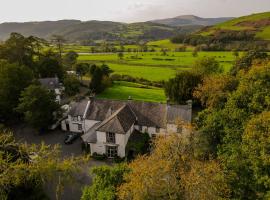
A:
(105, 121)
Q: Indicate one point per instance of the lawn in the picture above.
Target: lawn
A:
(121, 90)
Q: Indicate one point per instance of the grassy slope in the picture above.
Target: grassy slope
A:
(155, 70)
(263, 33)
(122, 90)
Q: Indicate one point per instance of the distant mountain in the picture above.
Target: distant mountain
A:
(79, 31)
(185, 20)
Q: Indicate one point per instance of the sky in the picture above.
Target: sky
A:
(124, 10)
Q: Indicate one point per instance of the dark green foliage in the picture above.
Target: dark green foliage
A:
(82, 69)
(138, 143)
(13, 79)
(181, 88)
(20, 49)
(72, 85)
(38, 106)
(207, 66)
(105, 182)
(49, 66)
(245, 62)
(99, 78)
(70, 59)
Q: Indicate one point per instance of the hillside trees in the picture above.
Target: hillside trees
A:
(70, 59)
(99, 78)
(230, 121)
(105, 183)
(38, 106)
(181, 88)
(21, 50)
(13, 79)
(72, 85)
(172, 172)
(23, 174)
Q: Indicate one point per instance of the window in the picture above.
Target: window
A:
(75, 118)
(179, 129)
(158, 130)
(111, 151)
(140, 128)
(110, 137)
(79, 127)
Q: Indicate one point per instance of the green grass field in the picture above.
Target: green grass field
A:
(122, 90)
(155, 66)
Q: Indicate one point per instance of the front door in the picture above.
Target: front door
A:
(111, 151)
(67, 126)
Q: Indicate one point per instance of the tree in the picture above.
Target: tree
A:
(214, 90)
(105, 182)
(38, 106)
(21, 50)
(255, 146)
(13, 79)
(49, 66)
(59, 41)
(70, 59)
(23, 174)
(172, 172)
(226, 129)
(99, 78)
(72, 85)
(246, 61)
(82, 69)
(195, 52)
(181, 88)
(120, 55)
(236, 53)
(207, 66)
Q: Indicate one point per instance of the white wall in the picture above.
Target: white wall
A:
(120, 141)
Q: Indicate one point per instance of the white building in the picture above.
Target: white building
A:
(107, 124)
(53, 84)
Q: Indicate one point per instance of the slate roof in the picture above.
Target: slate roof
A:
(78, 108)
(91, 134)
(50, 83)
(146, 113)
(119, 122)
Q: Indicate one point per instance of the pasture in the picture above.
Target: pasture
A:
(155, 66)
(122, 90)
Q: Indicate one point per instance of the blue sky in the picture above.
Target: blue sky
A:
(125, 10)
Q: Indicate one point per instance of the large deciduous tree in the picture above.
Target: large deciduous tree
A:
(181, 88)
(13, 79)
(38, 106)
(172, 172)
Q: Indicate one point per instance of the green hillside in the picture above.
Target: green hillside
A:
(258, 23)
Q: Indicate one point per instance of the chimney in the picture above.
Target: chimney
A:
(189, 103)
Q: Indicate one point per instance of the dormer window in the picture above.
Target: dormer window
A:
(110, 137)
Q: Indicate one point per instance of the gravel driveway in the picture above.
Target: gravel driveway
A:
(73, 192)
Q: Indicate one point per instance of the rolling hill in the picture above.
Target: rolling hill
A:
(187, 20)
(78, 31)
(258, 24)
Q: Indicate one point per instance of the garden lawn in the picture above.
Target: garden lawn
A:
(121, 90)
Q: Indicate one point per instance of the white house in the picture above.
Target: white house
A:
(106, 125)
(53, 84)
